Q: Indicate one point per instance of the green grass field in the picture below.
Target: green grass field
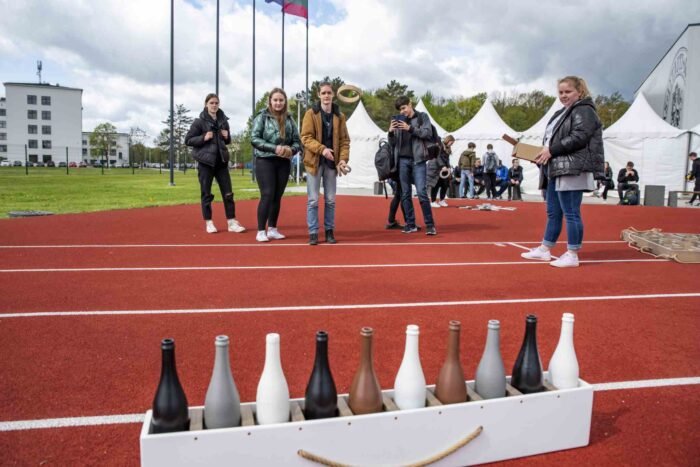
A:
(86, 189)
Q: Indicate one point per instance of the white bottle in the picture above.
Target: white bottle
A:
(222, 405)
(563, 367)
(409, 387)
(272, 400)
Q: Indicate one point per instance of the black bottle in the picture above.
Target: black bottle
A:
(321, 399)
(527, 372)
(170, 403)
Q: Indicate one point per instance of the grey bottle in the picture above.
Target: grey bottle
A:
(222, 405)
(490, 380)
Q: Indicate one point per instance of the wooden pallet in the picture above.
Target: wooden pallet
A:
(680, 247)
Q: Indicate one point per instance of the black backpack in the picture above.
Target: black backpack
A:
(384, 160)
(631, 196)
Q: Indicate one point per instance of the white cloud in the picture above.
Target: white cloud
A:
(118, 51)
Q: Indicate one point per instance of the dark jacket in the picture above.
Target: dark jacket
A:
(622, 176)
(467, 159)
(206, 152)
(607, 178)
(312, 136)
(576, 144)
(695, 169)
(433, 167)
(265, 135)
(515, 173)
(421, 132)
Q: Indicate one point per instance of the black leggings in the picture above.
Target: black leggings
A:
(207, 174)
(441, 185)
(272, 174)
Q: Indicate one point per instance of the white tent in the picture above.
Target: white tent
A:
(422, 108)
(658, 150)
(364, 141)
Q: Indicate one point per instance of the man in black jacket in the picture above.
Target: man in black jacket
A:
(626, 179)
(694, 175)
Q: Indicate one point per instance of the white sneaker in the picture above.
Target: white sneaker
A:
(235, 226)
(540, 253)
(443, 203)
(567, 260)
(261, 237)
(274, 234)
(211, 228)
(434, 205)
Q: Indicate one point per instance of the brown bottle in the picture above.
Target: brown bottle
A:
(365, 392)
(450, 387)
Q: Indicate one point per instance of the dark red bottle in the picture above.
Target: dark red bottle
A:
(321, 399)
(527, 374)
(170, 403)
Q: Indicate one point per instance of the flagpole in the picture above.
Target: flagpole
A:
(307, 61)
(217, 47)
(171, 151)
(282, 47)
(252, 114)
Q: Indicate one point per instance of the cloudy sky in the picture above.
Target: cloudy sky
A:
(118, 51)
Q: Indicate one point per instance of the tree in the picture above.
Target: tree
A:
(181, 126)
(611, 108)
(103, 139)
(137, 150)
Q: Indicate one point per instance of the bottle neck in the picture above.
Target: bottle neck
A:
(453, 345)
(567, 333)
(531, 333)
(366, 351)
(272, 355)
(168, 362)
(411, 349)
(493, 338)
(321, 353)
(221, 360)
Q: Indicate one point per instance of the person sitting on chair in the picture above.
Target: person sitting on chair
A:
(626, 179)
(515, 179)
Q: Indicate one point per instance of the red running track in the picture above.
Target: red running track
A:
(108, 364)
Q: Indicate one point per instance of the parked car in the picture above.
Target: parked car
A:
(50, 164)
(62, 164)
(17, 163)
(81, 164)
(4, 163)
(39, 164)
(125, 165)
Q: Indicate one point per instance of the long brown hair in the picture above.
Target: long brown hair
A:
(281, 117)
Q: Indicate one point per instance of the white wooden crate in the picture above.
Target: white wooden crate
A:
(513, 426)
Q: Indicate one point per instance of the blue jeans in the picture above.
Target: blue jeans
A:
(467, 175)
(313, 188)
(560, 205)
(410, 173)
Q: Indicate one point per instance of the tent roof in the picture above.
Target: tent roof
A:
(538, 129)
(361, 125)
(422, 108)
(641, 121)
(486, 124)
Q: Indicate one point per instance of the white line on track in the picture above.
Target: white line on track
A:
(272, 244)
(527, 249)
(139, 417)
(323, 266)
(357, 306)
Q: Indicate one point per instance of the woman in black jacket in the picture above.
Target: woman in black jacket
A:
(208, 136)
(572, 158)
(434, 168)
(606, 182)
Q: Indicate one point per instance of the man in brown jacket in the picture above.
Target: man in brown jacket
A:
(327, 151)
(467, 161)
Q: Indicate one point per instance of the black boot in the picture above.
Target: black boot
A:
(313, 239)
(329, 236)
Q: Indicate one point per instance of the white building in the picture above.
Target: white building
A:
(673, 86)
(118, 155)
(3, 129)
(46, 118)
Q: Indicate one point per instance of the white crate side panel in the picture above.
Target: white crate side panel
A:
(513, 427)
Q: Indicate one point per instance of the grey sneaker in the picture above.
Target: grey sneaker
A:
(431, 230)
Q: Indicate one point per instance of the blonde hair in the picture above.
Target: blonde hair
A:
(578, 83)
(280, 116)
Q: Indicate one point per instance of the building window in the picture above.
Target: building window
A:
(3, 112)
(45, 129)
(112, 152)
(46, 115)
(47, 157)
(84, 142)
(46, 144)
(120, 155)
(32, 129)
(85, 152)
(45, 100)
(31, 114)
(33, 158)
(3, 124)
(3, 147)
(33, 144)
(31, 100)
(3, 136)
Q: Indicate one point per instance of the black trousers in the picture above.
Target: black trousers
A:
(395, 202)
(695, 189)
(514, 192)
(272, 175)
(622, 187)
(207, 174)
(490, 182)
(442, 185)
